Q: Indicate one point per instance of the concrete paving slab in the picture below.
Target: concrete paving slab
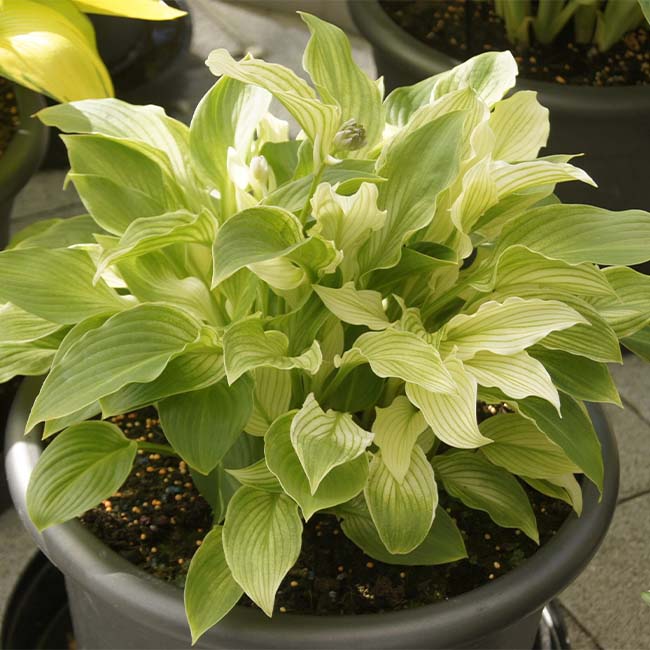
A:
(633, 436)
(578, 636)
(633, 381)
(606, 597)
(17, 550)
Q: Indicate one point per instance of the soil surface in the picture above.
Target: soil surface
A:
(158, 519)
(464, 28)
(9, 119)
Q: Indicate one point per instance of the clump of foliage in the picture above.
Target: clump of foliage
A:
(601, 22)
(316, 317)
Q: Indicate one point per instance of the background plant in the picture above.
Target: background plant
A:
(602, 22)
(316, 317)
(49, 46)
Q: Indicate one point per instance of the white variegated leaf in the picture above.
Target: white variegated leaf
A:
(397, 429)
(354, 306)
(340, 485)
(324, 440)
(521, 448)
(271, 398)
(508, 327)
(521, 126)
(320, 121)
(247, 346)
(262, 536)
(517, 375)
(402, 511)
(451, 415)
(394, 353)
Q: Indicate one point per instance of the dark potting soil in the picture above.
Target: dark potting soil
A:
(9, 119)
(464, 28)
(158, 519)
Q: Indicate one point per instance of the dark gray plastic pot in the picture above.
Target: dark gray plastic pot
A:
(115, 605)
(23, 155)
(610, 125)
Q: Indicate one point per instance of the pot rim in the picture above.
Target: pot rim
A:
(25, 152)
(388, 37)
(495, 605)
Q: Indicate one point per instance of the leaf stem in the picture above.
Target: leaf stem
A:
(155, 448)
(314, 184)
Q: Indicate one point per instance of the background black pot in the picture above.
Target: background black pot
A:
(116, 605)
(611, 125)
(23, 155)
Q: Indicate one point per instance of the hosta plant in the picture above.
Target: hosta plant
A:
(49, 46)
(601, 22)
(315, 318)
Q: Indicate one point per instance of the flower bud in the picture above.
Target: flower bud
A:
(350, 137)
(260, 169)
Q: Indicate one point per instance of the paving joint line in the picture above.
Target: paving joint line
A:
(580, 625)
(15, 221)
(633, 496)
(630, 405)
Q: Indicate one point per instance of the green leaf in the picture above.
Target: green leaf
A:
(349, 175)
(397, 429)
(480, 485)
(113, 206)
(359, 390)
(150, 234)
(197, 367)
(258, 476)
(628, 310)
(19, 326)
(508, 327)
(56, 285)
(520, 125)
(254, 235)
(574, 432)
(247, 346)
(131, 346)
(57, 233)
(140, 9)
(517, 375)
(402, 511)
(324, 440)
(578, 376)
(202, 425)
(135, 167)
(393, 353)
(226, 116)
(115, 118)
(339, 80)
(271, 398)
(210, 590)
(451, 415)
(565, 488)
(490, 74)
(261, 538)
(31, 358)
(154, 278)
(340, 485)
(282, 157)
(357, 307)
(639, 343)
(582, 233)
(510, 178)
(443, 543)
(319, 121)
(518, 266)
(82, 466)
(409, 196)
(521, 448)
